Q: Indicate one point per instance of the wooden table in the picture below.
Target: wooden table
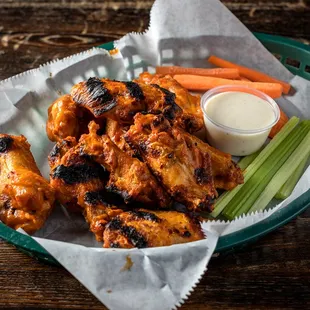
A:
(274, 273)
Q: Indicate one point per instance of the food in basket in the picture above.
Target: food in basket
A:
(146, 228)
(126, 155)
(137, 152)
(26, 198)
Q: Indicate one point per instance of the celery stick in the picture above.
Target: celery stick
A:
(252, 189)
(300, 153)
(247, 160)
(290, 184)
(263, 155)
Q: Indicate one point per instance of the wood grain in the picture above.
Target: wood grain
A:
(34, 32)
(274, 273)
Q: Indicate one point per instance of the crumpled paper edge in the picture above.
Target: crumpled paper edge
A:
(259, 215)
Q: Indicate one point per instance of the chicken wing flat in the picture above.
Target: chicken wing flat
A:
(120, 101)
(226, 173)
(191, 119)
(129, 177)
(26, 198)
(184, 170)
(115, 132)
(144, 228)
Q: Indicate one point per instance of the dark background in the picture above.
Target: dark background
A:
(274, 273)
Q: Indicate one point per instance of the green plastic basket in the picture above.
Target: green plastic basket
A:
(296, 57)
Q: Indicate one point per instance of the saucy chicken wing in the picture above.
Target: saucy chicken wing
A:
(120, 101)
(129, 177)
(79, 184)
(144, 228)
(64, 118)
(26, 198)
(226, 173)
(191, 119)
(67, 119)
(183, 169)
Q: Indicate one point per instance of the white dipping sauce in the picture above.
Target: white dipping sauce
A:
(238, 122)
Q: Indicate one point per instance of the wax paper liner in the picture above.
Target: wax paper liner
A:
(159, 278)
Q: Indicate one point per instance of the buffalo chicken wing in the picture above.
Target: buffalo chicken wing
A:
(120, 101)
(26, 198)
(191, 119)
(144, 228)
(129, 177)
(226, 173)
(183, 169)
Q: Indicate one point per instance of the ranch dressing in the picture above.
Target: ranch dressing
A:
(238, 122)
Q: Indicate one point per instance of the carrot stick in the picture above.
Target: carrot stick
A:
(202, 83)
(225, 73)
(242, 78)
(278, 126)
(253, 75)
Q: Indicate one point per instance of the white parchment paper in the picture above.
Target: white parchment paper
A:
(182, 33)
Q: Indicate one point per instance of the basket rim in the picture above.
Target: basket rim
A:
(227, 242)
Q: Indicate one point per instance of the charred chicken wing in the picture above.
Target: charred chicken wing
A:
(26, 198)
(183, 169)
(79, 183)
(226, 173)
(144, 228)
(191, 119)
(120, 101)
(129, 177)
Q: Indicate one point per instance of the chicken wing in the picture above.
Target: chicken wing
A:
(115, 132)
(120, 101)
(67, 119)
(144, 228)
(26, 198)
(79, 184)
(74, 174)
(191, 119)
(184, 170)
(129, 177)
(226, 173)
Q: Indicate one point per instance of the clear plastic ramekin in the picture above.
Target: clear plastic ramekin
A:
(237, 142)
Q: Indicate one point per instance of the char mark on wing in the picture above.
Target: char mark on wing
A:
(97, 90)
(55, 151)
(112, 188)
(201, 176)
(186, 234)
(98, 111)
(5, 144)
(98, 98)
(78, 173)
(171, 107)
(95, 198)
(135, 90)
(149, 216)
(129, 232)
